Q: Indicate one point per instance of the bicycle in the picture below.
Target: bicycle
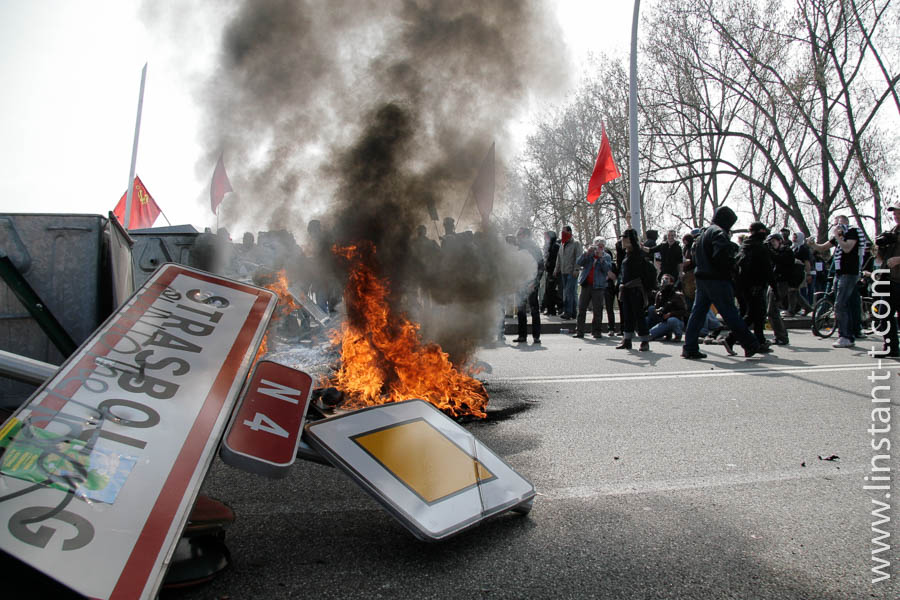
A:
(824, 319)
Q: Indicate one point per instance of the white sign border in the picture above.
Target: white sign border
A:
(160, 563)
(435, 521)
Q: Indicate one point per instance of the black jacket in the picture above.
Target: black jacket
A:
(754, 262)
(715, 252)
(551, 252)
(670, 301)
(783, 263)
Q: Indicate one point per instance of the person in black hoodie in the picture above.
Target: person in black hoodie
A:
(552, 300)
(754, 273)
(782, 264)
(715, 260)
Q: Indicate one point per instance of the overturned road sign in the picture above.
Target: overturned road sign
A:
(100, 468)
(426, 470)
(264, 434)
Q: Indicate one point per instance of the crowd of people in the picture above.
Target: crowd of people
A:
(703, 288)
(710, 288)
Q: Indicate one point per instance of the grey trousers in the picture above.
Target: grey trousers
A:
(773, 311)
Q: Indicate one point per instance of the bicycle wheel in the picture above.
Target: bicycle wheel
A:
(871, 313)
(823, 321)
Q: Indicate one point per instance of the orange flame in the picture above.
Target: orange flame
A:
(278, 283)
(263, 348)
(382, 357)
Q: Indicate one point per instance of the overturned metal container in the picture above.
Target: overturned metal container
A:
(66, 260)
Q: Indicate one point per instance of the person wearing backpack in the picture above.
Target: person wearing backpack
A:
(715, 256)
(637, 278)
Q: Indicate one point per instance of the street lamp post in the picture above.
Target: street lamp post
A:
(634, 195)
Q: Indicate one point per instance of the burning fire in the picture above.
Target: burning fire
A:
(382, 357)
(278, 283)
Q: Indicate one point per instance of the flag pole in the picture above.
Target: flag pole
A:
(137, 131)
(469, 196)
(634, 162)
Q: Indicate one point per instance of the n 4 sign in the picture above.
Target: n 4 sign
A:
(265, 430)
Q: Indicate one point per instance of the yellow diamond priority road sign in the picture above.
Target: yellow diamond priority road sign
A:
(429, 472)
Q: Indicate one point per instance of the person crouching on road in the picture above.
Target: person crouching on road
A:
(636, 273)
(670, 310)
(595, 263)
(715, 256)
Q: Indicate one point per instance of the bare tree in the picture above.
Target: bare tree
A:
(777, 110)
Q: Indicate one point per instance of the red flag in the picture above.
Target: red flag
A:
(483, 188)
(143, 207)
(219, 185)
(604, 171)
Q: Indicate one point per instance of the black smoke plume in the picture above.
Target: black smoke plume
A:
(362, 113)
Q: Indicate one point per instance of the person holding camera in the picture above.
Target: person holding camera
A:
(845, 241)
(669, 311)
(595, 264)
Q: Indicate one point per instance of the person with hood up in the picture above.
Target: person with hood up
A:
(782, 264)
(595, 264)
(636, 276)
(715, 262)
(551, 301)
(754, 274)
(567, 270)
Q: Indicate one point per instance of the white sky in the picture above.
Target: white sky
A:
(71, 75)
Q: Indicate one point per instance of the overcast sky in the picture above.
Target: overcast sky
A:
(71, 75)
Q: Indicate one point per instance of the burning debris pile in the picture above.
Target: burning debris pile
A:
(287, 304)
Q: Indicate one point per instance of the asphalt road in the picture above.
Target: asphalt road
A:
(657, 477)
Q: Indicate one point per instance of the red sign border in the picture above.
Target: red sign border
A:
(139, 568)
